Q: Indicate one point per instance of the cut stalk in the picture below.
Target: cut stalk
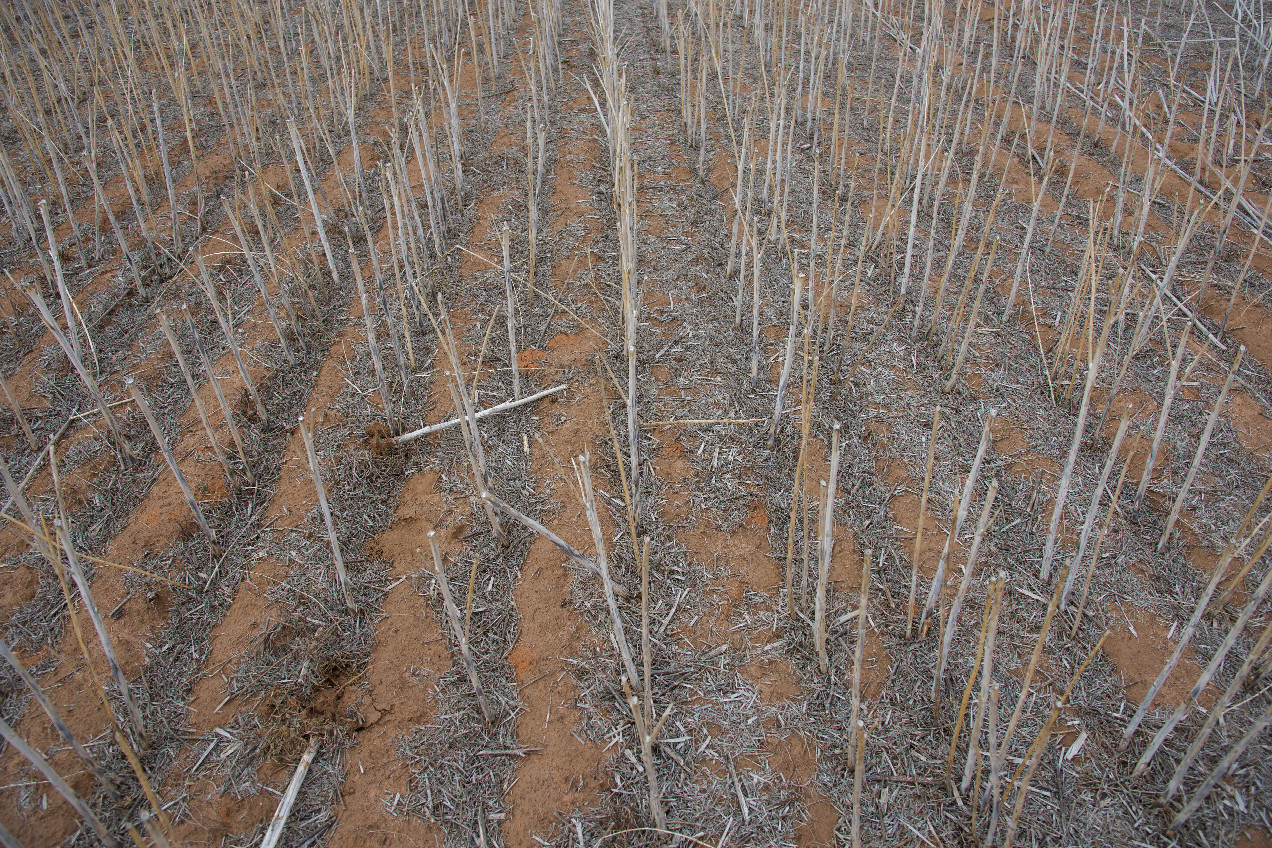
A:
(94, 390)
(1169, 397)
(988, 615)
(56, 720)
(368, 323)
(140, 400)
(1199, 610)
(1093, 368)
(1095, 552)
(63, 788)
(17, 414)
(99, 625)
(226, 411)
(194, 394)
(494, 410)
(788, 360)
(1201, 450)
(1089, 522)
(963, 502)
(315, 470)
(1218, 711)
(858, 778)
(1194, 694)
(1000, 755)
(1040, 744)
(1225, 765)
(457, 625)
(505, 239)
(986, 696)
(918, 533)
(223, 318)
(858, 656)
(279, 821)
(825, 545)
(951, 622)
(254, 267)
(644, 717)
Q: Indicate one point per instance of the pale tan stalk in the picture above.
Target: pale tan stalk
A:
(1203, 680)
(1088, 523)
(918, 532)
(140, 400)
(316, 471)
(1224, 767)
(948, 640)
(1171, 384)
(458, 628)
(17, 414)
(1201, 450)
(825, 546)
(987, 615)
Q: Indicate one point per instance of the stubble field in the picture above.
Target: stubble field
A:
(878, 446)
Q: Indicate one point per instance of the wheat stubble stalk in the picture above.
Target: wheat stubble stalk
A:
(988, 693)
(788, 360)
(199, 405)
(368, 323)
(278, 821)
(1224, 766)
(642, 713)
(648, 724)
(1238, 580)
(918, 532)
(986, 516)
(69, 310)
(257, 277)
(99, 625)
(857, 740)
(90, 382)
(63, 537)
(583, 474)
(985, 653)
(1088, 523)
(1167, 400)
(58, 722)
(227, 414)
(505, 240)
(341, 574)
(1202, 444)
(1199, 611)
(1099, 541)
(825, 545)
(1093, 368)
(223, 319)
(18, 414)
(963, 501)
(458, 628)
(1217, 712)
(164, 448)
(999, 754)
(58, 782)
(1032, 759)
(1212, 668)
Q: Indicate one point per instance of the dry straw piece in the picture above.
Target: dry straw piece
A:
(140, 400)
(315, 470)
(458, 628)
(825, 546)
(276, 825)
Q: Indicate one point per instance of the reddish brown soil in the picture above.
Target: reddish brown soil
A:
(1139, 646)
